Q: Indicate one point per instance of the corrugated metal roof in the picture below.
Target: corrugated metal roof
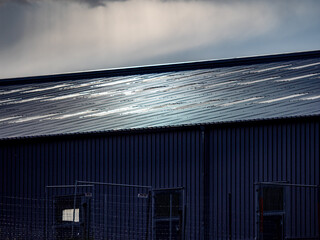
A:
(219, 94)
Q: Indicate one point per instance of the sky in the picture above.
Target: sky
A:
(40, 37)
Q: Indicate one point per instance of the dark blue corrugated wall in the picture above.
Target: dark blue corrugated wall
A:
(240, 156)
(209, 162)
(160, 159)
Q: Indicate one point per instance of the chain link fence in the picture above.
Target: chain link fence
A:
(22, 218)
(90, 210)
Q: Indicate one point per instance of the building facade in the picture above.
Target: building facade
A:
(252, 175)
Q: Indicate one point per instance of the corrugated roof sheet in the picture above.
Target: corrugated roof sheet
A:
(245, 92)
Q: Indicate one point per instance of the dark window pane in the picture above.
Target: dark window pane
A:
(168, 215)
(162, 205)
(272, 199)
(272, 227)
(175, 230)
(162, 230)
(176, 204)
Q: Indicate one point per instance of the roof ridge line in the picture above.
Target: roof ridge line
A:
(159, 68)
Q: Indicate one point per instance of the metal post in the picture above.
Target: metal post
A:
(148, 214)
(170, 225)
(46, 213)
(184, 205)
(93, 210)
(318, 193)
(152, 214)
(261, 211)
(105, 219)
(257, 232)
(74, 206)
(230, 216)
(203, 188)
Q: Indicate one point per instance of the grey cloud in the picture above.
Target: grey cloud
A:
(17, 1)
(13, 23)
(90, 3)
(96, 3)
(53, 36)
(99, 3)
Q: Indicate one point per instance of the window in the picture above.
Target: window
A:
(168, 214)
(272, 199)
(71, 217)
(67, 215)
(168, 204)
(63, 209)
(271, 212)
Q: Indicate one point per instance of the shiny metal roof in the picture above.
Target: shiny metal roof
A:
(274, 89)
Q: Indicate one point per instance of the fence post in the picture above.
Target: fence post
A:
(318, 191)
(74, 206)
(230, 216)
(261, 211)
(148, 216)
(93, 215)
(46, 191)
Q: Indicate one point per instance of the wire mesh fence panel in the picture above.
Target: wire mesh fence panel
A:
(121, 212)
(114, 211)
(80, 211)
(22, 218)
(69, 212)
(287, 211)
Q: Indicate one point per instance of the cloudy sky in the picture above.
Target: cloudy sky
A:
(54, 36)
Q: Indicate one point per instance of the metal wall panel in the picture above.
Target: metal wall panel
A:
(238, 157)
(209, 162)
(159, 159)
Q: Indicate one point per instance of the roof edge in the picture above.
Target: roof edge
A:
(171, 67)
(202, 126)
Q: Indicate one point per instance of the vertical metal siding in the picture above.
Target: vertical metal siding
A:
(240, 156)
(236, 158)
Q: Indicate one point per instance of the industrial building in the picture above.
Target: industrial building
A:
(219, 149)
